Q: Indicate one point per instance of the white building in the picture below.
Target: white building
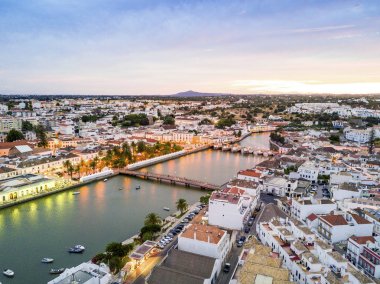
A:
(344, 191)
(355, 247)
(85, 273)
(309, 171)
(205, 240)
(301, 208)
(339, 227)
(229, 208)
(279, 186)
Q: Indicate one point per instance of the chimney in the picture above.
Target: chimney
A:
(195, 233)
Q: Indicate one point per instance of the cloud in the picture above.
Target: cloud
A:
(305, 87)
(320, 29)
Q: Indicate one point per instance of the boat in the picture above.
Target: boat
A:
(120, 188)
(138, 187)
(47, 260)
(235, 149)
(266, 154)
(245, 151)
(166, 208)
(105, 180)
(76, 249)
(76, 193)
(9, 273)
(250, 150)
(226, 148)
(56, 270)
(217, 146)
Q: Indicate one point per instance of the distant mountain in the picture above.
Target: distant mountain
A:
(192, 94)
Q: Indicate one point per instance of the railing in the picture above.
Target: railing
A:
(172, 179)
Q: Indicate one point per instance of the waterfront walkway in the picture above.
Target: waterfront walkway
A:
(171, 179)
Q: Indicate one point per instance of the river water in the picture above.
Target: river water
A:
(102, 213)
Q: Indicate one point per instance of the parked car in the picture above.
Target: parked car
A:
(227, 267)
(246, 230)
(239, 244)
(243, 238)
(250, 223)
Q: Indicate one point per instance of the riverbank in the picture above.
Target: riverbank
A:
(55, 191)
(145, 163)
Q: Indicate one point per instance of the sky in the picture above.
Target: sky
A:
(137, 47)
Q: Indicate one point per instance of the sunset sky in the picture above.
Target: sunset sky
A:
(136, 47)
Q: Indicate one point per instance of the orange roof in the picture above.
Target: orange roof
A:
(360, 220)
(334, 220)
(227, 197)
(233, 190)
(251, 173)
(312, 217)
(203, 233)
(363, 240)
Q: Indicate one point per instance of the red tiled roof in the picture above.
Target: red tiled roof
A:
(360, 220)
(230, 198)
(363, 240)
(312, 217)
(334, 220)
(250, 173)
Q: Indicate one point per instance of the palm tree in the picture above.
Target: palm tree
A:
(182, 205)
(152, 219)
(70, 170)
(67, 164)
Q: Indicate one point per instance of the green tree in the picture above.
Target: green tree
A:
(182, 205)
(168, 120)
(141, 147)
(152, 219)
(204, 199)
(334, 138)
(71, 170)
(14, 135)
(41, 136)
(27, 126)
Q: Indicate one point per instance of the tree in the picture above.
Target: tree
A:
(334, 138)
(225, 122)
(27, 126)
(276, 137)
(204, 199)
(71, 170)
(205, 121)
(67, 164)
(141, 147)
(152, 219)
(14, 135)
(41, 136)
(168, 120)
(182, 205)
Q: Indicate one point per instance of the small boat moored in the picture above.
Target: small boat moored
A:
(166, 208)
(9, 273)
(76, 249)
(47, 260)
(120, 188)
(56, 270)
(76, 193)
(138, 187)
(105, 180)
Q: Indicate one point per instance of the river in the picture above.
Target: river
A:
(102, 213)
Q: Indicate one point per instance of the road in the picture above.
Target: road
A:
(233, 257)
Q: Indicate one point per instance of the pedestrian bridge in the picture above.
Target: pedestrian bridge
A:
(171, 179)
